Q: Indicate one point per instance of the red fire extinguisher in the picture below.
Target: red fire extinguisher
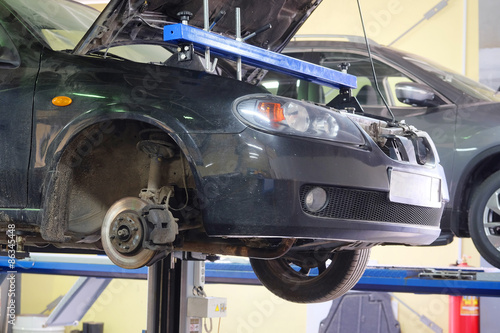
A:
(464, 312)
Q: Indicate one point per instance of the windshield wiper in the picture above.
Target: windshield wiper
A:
(106, 55)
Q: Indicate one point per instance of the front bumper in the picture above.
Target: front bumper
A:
(253, 184)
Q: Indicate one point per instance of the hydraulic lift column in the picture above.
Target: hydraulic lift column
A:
(164, 286)
(177, 302)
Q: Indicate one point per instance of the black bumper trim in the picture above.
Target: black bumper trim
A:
(364, 205)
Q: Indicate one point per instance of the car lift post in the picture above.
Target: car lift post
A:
(176, 300)
(164, 282)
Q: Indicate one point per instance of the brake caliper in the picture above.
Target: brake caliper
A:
(160, 227)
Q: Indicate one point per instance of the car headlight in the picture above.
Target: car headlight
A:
(289, 116)
(296, 116)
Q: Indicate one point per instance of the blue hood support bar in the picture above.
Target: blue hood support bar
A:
(255, 56)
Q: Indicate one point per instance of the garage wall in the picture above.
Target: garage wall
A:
(122, 305)
(97, 4)
(489, 43)
(450, 37)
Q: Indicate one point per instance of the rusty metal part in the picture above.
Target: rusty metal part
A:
(20, 228)
(226, 248)
(110, 227)
(126, 232)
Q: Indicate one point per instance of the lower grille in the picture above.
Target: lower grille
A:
(361, 205)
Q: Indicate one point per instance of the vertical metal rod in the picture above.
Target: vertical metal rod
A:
(186, 287)
(154, 294)
(164, 296)
(208, 68)
(238, 38)
(206, 21)
(206, 15)
(238, 24)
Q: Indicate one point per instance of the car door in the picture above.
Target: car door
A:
(19, 59)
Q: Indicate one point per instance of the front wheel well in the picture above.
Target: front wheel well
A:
(479, 172)
(101, 165)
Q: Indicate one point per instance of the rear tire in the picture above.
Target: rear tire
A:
(484, 219)
(286, 281)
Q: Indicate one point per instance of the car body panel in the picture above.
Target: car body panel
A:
(123, 90)
(266, 174)
(17, 89)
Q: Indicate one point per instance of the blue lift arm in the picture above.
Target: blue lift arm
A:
(256, 56)
(453, 281)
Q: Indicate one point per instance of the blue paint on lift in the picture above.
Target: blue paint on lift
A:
(256, 56)
(395, 279)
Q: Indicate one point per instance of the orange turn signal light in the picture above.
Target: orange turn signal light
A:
(273, 111)
(62, 101)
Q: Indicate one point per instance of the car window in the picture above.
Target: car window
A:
(387, 78)
(61, 24)
(463, 83)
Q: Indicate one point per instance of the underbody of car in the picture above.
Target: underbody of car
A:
(141, 158)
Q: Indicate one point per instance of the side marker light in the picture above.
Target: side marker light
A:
(62, 101)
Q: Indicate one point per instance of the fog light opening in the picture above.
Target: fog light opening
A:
(316, 199)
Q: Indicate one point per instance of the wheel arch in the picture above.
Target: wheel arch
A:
(55, 195)
(475, 172)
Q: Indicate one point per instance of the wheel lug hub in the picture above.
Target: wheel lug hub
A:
(123, 233)
(126, 233)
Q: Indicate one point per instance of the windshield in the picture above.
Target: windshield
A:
(62, 23)
(463, 83)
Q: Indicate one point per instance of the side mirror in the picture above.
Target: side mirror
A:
(415, 94)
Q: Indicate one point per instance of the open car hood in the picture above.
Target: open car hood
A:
(142, 21)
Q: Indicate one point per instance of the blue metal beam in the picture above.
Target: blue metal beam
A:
(408, 280)
(256, 56)
(405, 280)
(26, 266)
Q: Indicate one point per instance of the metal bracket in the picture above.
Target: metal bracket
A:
(185, 52)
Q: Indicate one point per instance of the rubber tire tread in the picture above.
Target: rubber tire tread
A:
(477, 206)
(343, 274)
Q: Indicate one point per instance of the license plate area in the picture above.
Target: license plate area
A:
(415, 189)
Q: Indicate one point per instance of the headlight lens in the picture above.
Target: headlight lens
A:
(296, 116)
(285, 115)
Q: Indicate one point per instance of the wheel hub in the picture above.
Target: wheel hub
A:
(126, 233)
(122, 234)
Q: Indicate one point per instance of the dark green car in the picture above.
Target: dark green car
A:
(113, 140)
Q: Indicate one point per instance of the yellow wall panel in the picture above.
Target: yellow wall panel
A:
(441, 38)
